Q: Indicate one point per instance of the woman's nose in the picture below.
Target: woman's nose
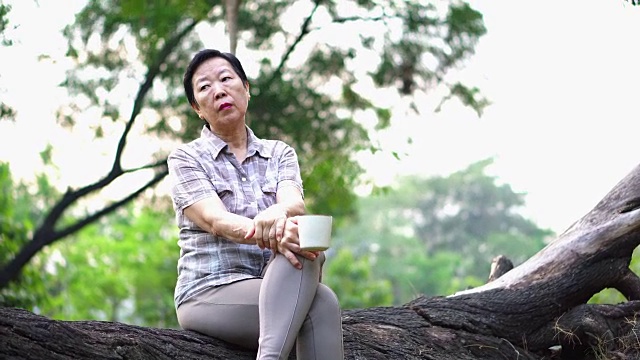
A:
(219, 92)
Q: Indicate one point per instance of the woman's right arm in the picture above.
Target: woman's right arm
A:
(193, 192)
(211, 216)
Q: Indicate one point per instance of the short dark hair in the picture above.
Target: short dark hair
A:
(202, 56)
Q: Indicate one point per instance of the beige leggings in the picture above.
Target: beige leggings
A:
(270, 314)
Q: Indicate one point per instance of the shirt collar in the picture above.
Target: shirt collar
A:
(254, 144)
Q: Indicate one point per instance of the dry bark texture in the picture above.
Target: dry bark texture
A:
(537, 310)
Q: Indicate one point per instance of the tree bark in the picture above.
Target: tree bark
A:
(232, 7)
(537, 310)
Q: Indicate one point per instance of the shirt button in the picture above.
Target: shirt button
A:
(244, 179)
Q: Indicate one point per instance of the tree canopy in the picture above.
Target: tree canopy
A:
(435, 236)
(126, 84)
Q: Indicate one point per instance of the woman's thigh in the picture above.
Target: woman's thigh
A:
(228, 312)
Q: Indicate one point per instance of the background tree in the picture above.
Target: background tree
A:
(18, 218)
(470, 214)
(438, 235)
(351, 277)
(130, 56)
(122, 268)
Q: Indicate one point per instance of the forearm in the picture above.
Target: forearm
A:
(219, 222)
(290, 201)
(292, 207)
(231, 226)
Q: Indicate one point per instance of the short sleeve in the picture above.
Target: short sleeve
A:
(189, 181)
(289, 169)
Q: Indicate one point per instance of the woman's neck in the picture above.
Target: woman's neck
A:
(236, 139)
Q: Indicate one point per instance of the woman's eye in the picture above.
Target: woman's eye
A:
(203, 87)
(226, 78)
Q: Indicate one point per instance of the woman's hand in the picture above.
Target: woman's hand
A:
(289, 245)
(269, 227)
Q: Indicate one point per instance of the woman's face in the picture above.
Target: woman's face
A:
(221, 96)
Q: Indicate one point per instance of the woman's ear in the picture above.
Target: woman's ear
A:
(196, 108)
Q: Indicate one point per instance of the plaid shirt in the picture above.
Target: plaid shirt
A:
(206, 167)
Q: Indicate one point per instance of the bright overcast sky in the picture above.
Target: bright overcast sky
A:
(562, 77)
(563, 80)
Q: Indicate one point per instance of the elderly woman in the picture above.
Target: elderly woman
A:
(242, 276)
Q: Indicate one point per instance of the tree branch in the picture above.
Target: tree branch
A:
(232, 7)
(152, 73)
(629, 286)
(304, 30)
(342, 20)
(109, 209)
(500, 265)
(158, 163)
(46, 234)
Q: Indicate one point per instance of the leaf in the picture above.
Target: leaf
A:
(45, 154)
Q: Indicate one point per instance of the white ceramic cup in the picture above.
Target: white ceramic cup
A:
(314, 232)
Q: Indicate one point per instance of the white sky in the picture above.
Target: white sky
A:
(564, 122)
(562, 77)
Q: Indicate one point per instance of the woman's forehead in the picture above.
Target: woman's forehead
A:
(213, 66)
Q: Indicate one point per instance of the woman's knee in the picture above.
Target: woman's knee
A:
(327, 298)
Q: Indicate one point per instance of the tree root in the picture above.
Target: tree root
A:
(600, 331)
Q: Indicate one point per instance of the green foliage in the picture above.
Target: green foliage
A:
(4, 24)
(607, 296)
(6, 112)
(468, 96)
(438, 235)
(17, 219)
(258, 21)
(430, 45)
(353, 280)
(129, 60)
(324, 141)
(121, 269)
(394, 255)
(469, 213)
(288, 102)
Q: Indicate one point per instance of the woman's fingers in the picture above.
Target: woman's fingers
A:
(311, 255)
(266, 228)
(292, 259)
(273, 241)
(280, 225)
(266, 234)
(252, 234)
(308, 254)
(289, 245)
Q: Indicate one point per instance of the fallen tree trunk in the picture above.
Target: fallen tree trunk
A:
(534, 311)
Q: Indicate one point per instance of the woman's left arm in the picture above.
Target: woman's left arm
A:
(289, 201)
(270, 223)
(290, 198)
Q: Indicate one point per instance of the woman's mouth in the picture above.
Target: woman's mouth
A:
(224, 106)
